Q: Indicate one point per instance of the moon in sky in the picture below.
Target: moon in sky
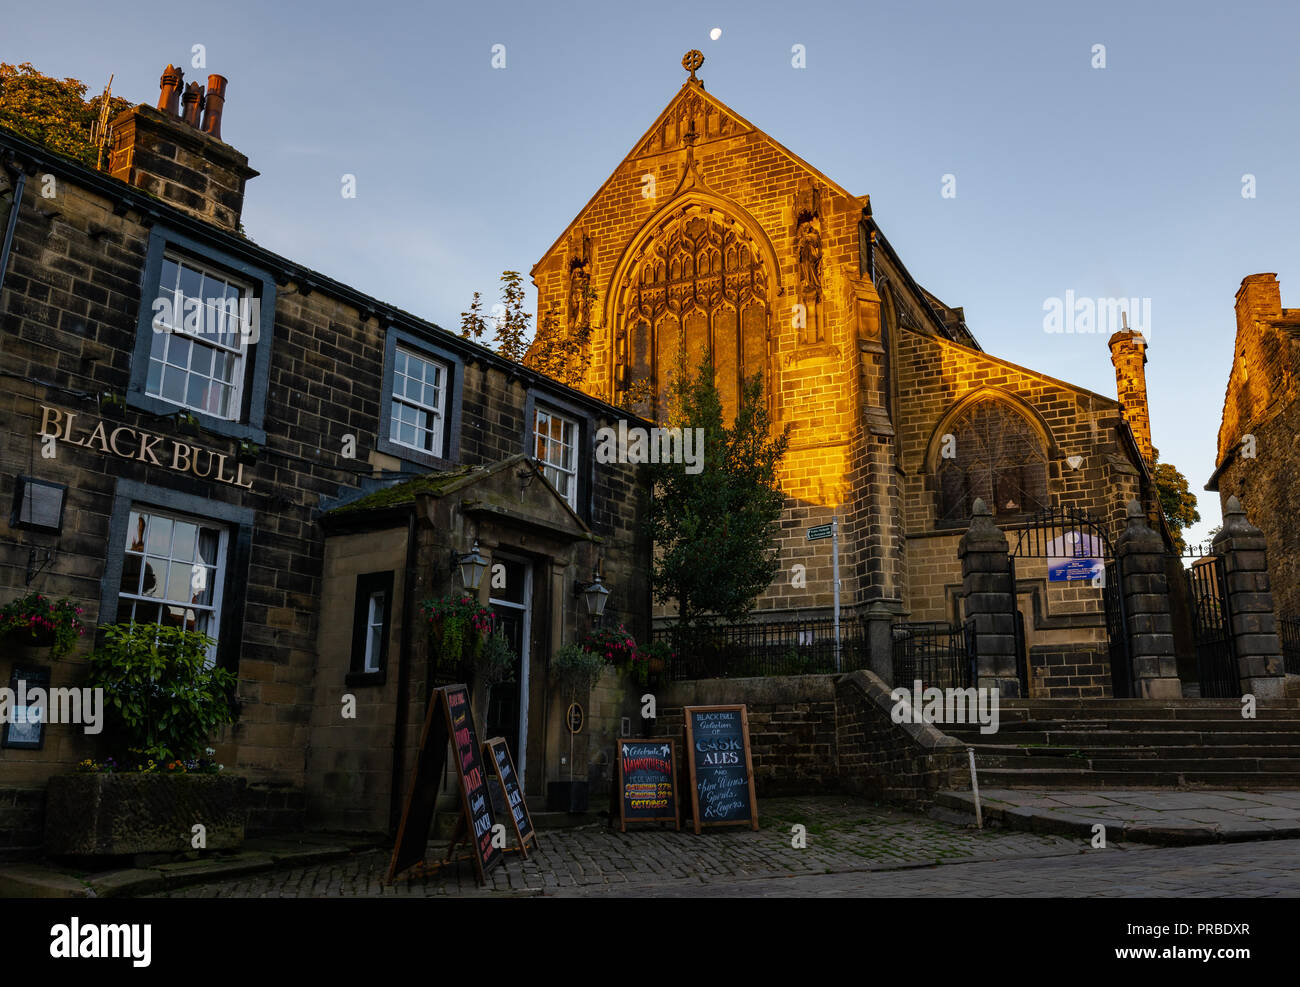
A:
(716, 33)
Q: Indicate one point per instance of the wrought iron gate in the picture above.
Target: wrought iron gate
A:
(1121, 663)
(1067, 534)
(1216, 657)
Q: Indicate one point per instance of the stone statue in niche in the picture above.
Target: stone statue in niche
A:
(580, 282)
(808, 245)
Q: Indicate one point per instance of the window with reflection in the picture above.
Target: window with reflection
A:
(202, 329)
(172, 573)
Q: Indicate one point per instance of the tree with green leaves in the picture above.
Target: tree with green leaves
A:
(511, 340)
(472, 323)
(715, 530)
(53, 112)
(1177, 502)
(564, 353)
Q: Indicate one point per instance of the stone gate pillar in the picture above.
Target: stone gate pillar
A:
(989, 591)
(1250, 603)
(1150, 626)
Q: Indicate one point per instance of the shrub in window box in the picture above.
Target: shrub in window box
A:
(247, 452)
(161, 703)
(187, 424)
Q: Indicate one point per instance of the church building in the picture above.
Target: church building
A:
(712, 236)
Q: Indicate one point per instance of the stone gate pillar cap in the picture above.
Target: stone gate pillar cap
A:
(1234, 506)
(979, 507)
(1135, 509)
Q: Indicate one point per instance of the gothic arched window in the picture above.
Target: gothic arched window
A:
(991, 452)
(697, 282)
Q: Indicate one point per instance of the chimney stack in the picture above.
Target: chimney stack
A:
(176, 152)
(1128, 352)
(212, 105)
(169, 99)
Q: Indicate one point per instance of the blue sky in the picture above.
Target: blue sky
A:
(1123, 181)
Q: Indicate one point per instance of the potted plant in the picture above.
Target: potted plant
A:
(658, 656)
(112, 405)
(37, 621)
(186, 423)
(574, 670)
(162, 701)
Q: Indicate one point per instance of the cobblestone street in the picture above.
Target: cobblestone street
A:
(845, 838)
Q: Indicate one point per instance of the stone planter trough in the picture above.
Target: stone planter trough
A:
(112, 814)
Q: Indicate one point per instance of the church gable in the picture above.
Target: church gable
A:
(695, 112)
(710, 234)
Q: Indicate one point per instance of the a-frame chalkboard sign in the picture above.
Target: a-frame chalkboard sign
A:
(722, 774)
(496, 754)
(647, 782)
(448, 721)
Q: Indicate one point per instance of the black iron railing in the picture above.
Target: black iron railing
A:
(936, 654)
(791, 647)
(1288, 629)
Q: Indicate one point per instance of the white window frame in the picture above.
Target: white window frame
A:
(238, 353)
(436, 412)
(218, 573)
(568, 466)
(374, 619)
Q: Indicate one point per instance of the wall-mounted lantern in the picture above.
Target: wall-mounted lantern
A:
(472, 566)
(596, 595)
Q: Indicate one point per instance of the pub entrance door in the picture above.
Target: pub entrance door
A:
(511, 601)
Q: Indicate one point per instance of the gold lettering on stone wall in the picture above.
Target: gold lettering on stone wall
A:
(131, 443)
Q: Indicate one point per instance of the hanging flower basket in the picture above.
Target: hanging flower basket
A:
(36, 621)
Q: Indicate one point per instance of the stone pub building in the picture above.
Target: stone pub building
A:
(196, 431)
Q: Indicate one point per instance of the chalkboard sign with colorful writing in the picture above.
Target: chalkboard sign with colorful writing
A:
(647, 770)
(497, 754)
(722, 776)
(473, 782)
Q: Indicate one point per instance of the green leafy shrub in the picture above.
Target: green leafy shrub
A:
(162, 702)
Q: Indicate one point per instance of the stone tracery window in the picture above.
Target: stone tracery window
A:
(994, 454)
(699, 281)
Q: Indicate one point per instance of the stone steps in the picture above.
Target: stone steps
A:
(1089, 779)
(1138, 744)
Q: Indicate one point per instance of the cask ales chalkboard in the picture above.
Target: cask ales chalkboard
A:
(722, 777)
(448, 721)
(647, 770)
(497, 754)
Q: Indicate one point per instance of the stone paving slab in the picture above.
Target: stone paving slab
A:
(1178, 818)
(1230, 870)
(843, 834)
